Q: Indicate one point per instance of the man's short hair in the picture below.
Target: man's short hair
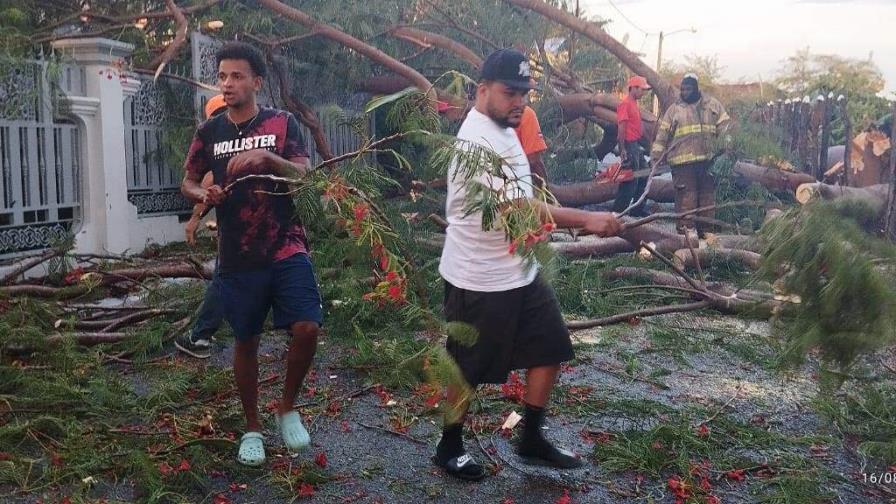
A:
(243, 51)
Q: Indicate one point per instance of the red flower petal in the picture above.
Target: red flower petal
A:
(306, 490)
(321, 459)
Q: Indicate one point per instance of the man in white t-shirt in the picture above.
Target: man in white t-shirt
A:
(514, 311)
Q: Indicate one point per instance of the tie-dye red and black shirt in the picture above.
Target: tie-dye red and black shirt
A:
(256, 229)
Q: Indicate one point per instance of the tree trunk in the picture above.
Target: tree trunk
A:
(590, 192)
(301, 110)
(367, 50)
(664, 91)
(602, 107)
(876, 194)
(685, 259)
(180, 36)
(429, 39)
(739, 242)
(772, 179)
(593, 247)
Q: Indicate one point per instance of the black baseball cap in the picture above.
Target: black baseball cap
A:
(509, 67)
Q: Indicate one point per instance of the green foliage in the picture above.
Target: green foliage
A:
(867, 412)
(676, 443)
(749, 141)
(840, 273)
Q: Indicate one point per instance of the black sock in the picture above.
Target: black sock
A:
(452, 443)
(533, 419)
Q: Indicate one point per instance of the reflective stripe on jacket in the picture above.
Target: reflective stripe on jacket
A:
(689, 131)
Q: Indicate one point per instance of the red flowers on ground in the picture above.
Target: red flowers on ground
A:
(306, 490)
(703, 431)
(564, 499)
(321, 459)
(736, 475)
(514, 389)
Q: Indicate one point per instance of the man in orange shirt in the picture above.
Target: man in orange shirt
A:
(529, 133)
(628, 117)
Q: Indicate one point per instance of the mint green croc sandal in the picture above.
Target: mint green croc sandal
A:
(251, 449)
(295, 437)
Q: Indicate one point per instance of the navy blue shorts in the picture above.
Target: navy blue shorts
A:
(288, 286)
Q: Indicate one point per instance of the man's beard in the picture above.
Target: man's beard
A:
(504, 121)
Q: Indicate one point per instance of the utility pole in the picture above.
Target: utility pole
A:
(659, 62)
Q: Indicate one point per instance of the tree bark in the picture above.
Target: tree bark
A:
(663, 89)
(685, 259)
(603, 107)
(302, 111)
(180, 36)
(739, 242)
(593, 247)
(428, 39)
(590, 192)
(876, 194)
(367, 50)
(772, 179)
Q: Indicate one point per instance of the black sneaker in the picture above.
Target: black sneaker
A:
(194, 346)
(538, 451)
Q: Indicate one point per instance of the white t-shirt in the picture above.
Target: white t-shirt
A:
(474, 259)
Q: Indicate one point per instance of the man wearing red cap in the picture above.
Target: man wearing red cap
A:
(628, 118)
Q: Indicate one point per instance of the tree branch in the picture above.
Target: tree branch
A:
(180, 37)
(426, 39)
(367, 50)
(646, 312)
(663, 89)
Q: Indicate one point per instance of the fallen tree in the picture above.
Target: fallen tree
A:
(591, 192)
(92, 279)
(876, 195)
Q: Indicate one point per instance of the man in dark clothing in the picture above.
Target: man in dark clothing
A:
(263, 254)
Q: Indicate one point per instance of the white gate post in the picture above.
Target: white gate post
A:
(105, 207)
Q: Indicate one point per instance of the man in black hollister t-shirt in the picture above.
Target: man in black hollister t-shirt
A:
(263, 254)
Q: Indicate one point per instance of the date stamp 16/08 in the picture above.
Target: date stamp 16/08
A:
(882, 478)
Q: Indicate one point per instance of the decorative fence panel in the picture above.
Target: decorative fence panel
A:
(40, 157)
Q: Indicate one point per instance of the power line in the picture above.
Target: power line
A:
(635, 25)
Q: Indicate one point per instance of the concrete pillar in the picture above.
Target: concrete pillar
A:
(105, 207)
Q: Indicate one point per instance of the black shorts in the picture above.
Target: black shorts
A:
(518, 329)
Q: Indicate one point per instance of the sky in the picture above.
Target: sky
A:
(752, 37)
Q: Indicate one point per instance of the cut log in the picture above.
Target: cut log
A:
(685, 259)
(603, 108)
(772, 179)
(739, 242)
(590, 192)
(876, 194)
(662, 239)
(593, 247)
